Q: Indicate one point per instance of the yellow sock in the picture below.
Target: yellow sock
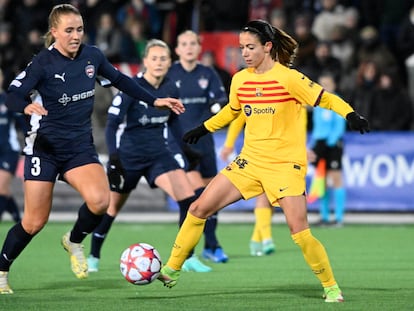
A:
(315, 256)
(256, 237)
(187, 238)
(264, 222)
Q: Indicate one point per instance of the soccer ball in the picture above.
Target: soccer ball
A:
(140, 264)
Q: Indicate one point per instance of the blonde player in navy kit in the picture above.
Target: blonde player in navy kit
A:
(137, 147)
(202, 93)
(60, 143)
(273, 159)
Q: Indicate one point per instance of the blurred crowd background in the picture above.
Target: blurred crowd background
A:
(367, 44)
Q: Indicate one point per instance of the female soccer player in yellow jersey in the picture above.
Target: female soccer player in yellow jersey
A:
(261, 241)
(273, 157)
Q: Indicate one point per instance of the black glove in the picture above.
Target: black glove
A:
(192, 136)
(357, 122)
(193, 157)
(115, 173)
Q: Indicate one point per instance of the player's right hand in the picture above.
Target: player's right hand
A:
(115, 172)
(170, 103)
(192, 136)
(35, 108)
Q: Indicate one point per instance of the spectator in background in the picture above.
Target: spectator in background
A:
(147, 11)
(209, 59)
(330, 16)
(351, 24)
(361, 89)
(392, 108)
(226, 15)
(391, 14)
(405, 45)
(7, 11)
(277, 18)
(372, 49)
(108, 37)
(259, 9)
(92, 11)
(9, 54)
(307, 41)
(133, 41)
(30, 14)
(33, 43)
(342, 47)
(323, 61)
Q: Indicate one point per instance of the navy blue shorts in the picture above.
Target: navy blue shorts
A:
(208, 161)
(8, 161)
(150, 168)
(47, 167)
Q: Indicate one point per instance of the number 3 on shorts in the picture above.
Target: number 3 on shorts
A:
(35, 170)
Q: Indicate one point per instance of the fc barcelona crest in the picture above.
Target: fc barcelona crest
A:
(259, 91)
(90, 71)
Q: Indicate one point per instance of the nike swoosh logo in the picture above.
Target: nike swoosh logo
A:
(283, 189)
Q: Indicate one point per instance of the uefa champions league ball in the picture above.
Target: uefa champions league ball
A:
(140, 264)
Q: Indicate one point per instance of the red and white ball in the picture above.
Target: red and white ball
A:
(140, 264)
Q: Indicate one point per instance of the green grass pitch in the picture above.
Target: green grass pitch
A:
(374, 265)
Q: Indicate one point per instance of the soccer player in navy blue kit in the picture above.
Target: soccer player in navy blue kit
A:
(137, 146)
(202, 92)
(10, 122)
(60, 143)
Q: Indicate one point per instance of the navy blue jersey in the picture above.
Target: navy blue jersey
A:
(135, 129)
(198, 89)
(67, 89)
(9, 122)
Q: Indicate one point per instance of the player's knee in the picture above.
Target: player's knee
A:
(198, 210)
(33, 226)
(98, 204)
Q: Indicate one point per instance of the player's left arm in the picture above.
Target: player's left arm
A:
(310, 92)
(337, 130)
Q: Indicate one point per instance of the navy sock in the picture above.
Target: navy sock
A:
(85, 224)
(3, 204)
(99, 235)
(184, 206)
(16, 240)
(210, 238)
(12, 208)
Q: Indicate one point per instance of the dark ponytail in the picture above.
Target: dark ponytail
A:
(284, 46)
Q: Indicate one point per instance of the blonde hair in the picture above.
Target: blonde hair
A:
(54, 19)
(189, 32)
(156, 42)
(284, 47)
